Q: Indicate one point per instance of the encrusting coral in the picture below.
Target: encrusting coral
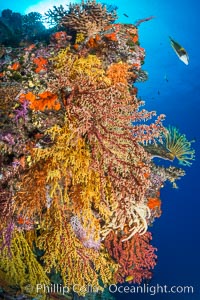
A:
(78, 185)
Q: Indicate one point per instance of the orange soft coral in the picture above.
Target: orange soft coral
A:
(119, 73)
(153, 203)
(76, 46)
(41, 63)
(15, 66)
(29, 97)
(93, 42)
(60, 35)
(49, 101)
(45, 100)
(135, 38)
(111, 36)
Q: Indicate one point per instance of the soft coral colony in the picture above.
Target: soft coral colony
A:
(79, 187)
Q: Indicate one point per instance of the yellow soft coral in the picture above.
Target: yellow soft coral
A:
(64, 252)
(77, 67)
(21, 269)
(79, 38)
(63, 174)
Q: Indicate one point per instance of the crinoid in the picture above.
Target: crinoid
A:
(179, 146)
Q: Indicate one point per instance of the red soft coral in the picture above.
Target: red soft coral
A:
(136, 257)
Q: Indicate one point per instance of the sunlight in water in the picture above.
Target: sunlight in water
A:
(44, 6)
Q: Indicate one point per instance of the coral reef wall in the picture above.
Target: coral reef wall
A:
(78, 188)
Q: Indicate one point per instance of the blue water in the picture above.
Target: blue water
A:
(173, 89)
(177, 233)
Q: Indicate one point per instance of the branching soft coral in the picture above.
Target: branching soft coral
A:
(78, 186)
(5, 203)
(116, 154)
(119, 73)
(31, 201)
(72, 67)
(136, 257)
(62, 173)
(64, 252)
(21, 268)
(88, 18)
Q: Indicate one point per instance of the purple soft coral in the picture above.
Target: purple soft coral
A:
(22, 112)
(7, 237)
(8, 138)
(88, 242)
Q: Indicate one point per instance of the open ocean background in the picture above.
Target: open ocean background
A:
(173, 89)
